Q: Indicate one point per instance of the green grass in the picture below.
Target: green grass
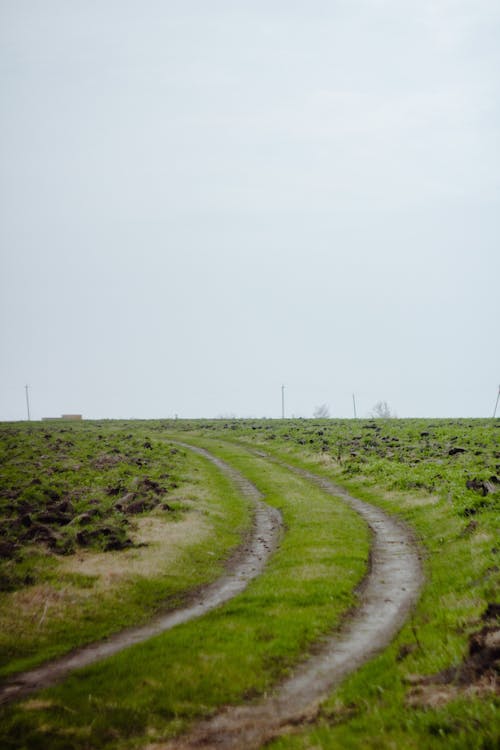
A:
(373, 708)
(54, 609)
(408, 467)
(458, 530)
(72, 486)
(230, 655)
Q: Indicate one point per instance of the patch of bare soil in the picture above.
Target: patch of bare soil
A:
(246, 563)
(157, 545)
(478, 674)
(386, 596)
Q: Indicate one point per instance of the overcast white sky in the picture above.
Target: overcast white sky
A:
(203, 200)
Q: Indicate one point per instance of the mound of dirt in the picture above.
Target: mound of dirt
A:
(479, 673)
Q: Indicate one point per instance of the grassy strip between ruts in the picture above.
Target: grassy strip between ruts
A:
(89, 595)
(426, 690)
(154, 690)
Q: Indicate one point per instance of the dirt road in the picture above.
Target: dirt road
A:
(385, 597)
(387, 594)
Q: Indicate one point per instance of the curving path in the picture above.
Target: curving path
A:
(246, 563)
(386, 596)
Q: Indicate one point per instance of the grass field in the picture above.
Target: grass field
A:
(435, 687)
(101, 526)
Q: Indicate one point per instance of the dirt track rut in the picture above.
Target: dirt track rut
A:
(386, 596)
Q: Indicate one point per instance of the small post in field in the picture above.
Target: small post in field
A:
(282, 402)
(496, 405)
(26, 388)
(354, 404)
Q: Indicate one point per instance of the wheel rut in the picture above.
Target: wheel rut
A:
(386, 596)
(246, 563)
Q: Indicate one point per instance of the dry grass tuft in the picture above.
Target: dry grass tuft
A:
(33, 608)
(435, 696)
(37, 704)
(164, 543)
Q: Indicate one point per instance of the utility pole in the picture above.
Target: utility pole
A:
(354, 404)
(26, 388)
(498, 397)
(282, 402)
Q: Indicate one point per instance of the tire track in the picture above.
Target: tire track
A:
(246, 563)
(386, 596)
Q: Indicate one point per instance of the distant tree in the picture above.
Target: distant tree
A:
(381, 410)
(321, 412)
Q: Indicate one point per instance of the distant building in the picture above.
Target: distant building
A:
(66, 417)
